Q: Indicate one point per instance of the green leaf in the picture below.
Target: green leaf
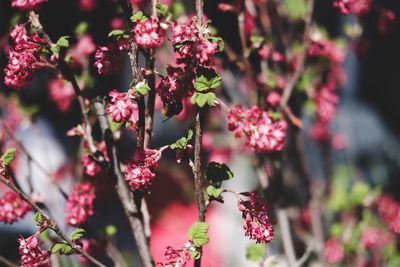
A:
(296, 9)
(77, 233)
(37, 217)
(8, 156)
(358, 193)
(217, 172)
(203, 83)
(116, 33)
(111, 230)
(198, 233)
(256, 40)
(61, 248)
(63, 41)
(201, 100)
(81, 28)
(213, 191)
(162, 9)
(183, 141)
(255, 252)
(142, 89)
(138, 16)
(178, 9)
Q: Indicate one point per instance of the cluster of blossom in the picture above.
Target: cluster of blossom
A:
(386, 21)
(177, 257)
(148, 33)
(262, 133)
(325, 97)
(333, 251)
(12, 208)
(108, 60)
(121, 107)
(257, 223)
(22, 57)
(81, 51)
(193, 50)
(31, 253)
(356, 7)
(139, 170)
(90, 167)
(26, 4)
(79, 205)
(89, 246)
(370, 238)
(61, 93)
(389, 210)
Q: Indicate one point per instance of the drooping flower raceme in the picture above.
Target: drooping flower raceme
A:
(22, 57)
(31, 253)
(148, 33)
(257, 223)
(389, 210)
(356, 7)
(139, 170)
(61, 93)
(262, 133)
(108, 60)
(12, 208)
(90, 167)
(79, 205)
(26, 4)
(121, 107)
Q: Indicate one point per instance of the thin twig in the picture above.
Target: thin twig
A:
(287, 241)
(7, 262)
(124, 193)
(51, 223)
(306, 255)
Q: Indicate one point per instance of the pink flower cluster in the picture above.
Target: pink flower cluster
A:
(81, 51)
(12, 208)
(31, 253)
(262, 133)
(370, 238)
(176, 257)
(121, 107)
(90, 167)
(108, 60)
(148, 33)
(139, 170)
(389, 210)
(326, 101)
(257, 223)
(22, 57)
(79, 205)
(61, 93)
(333, 251)
(26, 4)
(356, 7)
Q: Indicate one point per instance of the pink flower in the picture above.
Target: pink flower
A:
(79, 205)
(257, 223)
(176, 257)
(62, 93)
(370, 238)
(224, 7)
(320, 132)
(264, 52)
(12, 208)
(108, 60)
(262, 133)
(82, 50)
(31, 253)
(87, 5)
(386, 21)
(26, 4)
(184, 33)
(19, 70)
(333, 251)
(356, 7)
(273, 99)
(389, 210)
(148, 33)
(89, 246)
(139, 170)
(326, 101)
(121, 107)
(90, 167)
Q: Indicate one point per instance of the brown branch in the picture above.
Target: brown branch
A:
(284, 227)
(7, 262)
(124, 193)
(51, 223)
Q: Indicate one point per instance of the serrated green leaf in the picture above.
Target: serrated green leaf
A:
(201, 100)
(37, 217)
(8, 156)
(63, 41)
(213, 191)
(198, 233)
(162, 9)
(61, 248)
(202, 83)
(182, 142)
(111, 230)
(255, 252)
(217, 172)
(77, 233)
(138, 16)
